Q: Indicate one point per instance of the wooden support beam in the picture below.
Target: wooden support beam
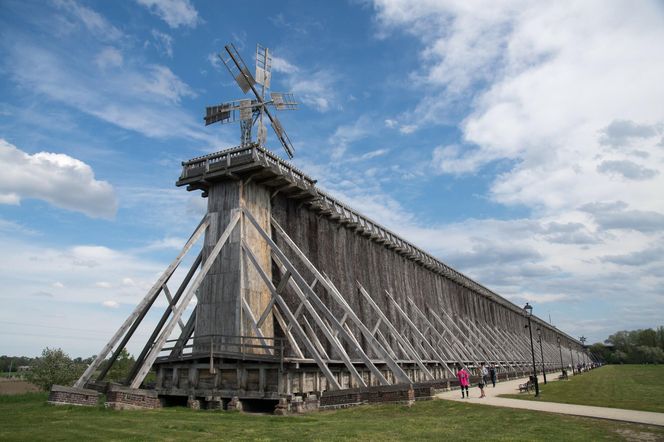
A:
(331, 379)
(286, 329)
(300, 287)
(469, 343)
(141, 309)
(171, 303)
(331, 289)
(254, 326)
(164, 318)
(312, 335)
(463, 354)
(186, 334)
(305, 300)
(430, 327)
(191, 290)
(418, 333)
(409, 351)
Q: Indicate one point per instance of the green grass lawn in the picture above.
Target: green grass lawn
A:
(633, 387)
(28, 417)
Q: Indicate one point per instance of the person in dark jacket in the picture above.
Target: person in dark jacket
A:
(493, 375)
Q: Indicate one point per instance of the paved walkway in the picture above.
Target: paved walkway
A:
(510, 387)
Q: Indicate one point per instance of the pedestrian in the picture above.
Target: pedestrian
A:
(481, 385)
(493, 375)
(464, 381)
(484, 372)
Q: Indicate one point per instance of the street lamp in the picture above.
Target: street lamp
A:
(539, 338)
(562, 369)
(583, 343)
(528, 311)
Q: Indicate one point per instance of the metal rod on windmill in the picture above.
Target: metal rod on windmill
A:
(251, 111)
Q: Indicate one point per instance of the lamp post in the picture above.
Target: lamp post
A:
(539, 338)
(528, 311)
(561, 356)
(583, 343)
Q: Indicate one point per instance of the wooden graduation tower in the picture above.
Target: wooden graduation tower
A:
(303, 300)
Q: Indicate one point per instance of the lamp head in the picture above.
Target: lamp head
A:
(528, 310)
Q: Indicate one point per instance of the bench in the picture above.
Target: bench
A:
(525, 387)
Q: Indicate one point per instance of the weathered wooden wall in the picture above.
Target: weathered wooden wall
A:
(219, 313)
(346, 257)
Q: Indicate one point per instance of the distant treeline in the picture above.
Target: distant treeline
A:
(13, 362)
(632, 347)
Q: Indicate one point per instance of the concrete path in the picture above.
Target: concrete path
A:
(511, 387)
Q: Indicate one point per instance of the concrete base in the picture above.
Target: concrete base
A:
(61, 395)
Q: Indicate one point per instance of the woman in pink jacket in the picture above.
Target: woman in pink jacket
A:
(464, 381)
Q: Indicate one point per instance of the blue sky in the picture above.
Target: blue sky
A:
(521, 143)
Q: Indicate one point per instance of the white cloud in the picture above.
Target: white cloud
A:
(565, 99)
(162, 42)
(132, 96)
(162, 82)
(103, 285)
(175, 13)
(168, 243)
(92, 20)
(314, 88)
(110, 304)
(282, 65)
(56, 178)
(347, 134)
(58, 285)
(109, 57)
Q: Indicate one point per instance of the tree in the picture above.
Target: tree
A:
(54, 367)
(120, 369)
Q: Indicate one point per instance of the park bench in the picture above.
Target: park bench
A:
(525, 387)
(530, 385)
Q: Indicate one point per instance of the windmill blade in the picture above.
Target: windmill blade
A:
(238, 69)
(223, 113)
(281, 134)
(283, 100)
(263, 66)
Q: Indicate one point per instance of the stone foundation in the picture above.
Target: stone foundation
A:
(61, 395)
(123, 398)
(399, 394)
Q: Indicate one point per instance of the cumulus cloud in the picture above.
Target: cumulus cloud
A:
(621, 133)
(59, 179)
(175, 13)
(626, 169)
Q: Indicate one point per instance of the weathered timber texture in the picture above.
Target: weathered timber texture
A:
(347, 257)
(220, 318)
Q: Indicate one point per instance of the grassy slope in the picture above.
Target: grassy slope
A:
(633, 387)
(27, 417)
